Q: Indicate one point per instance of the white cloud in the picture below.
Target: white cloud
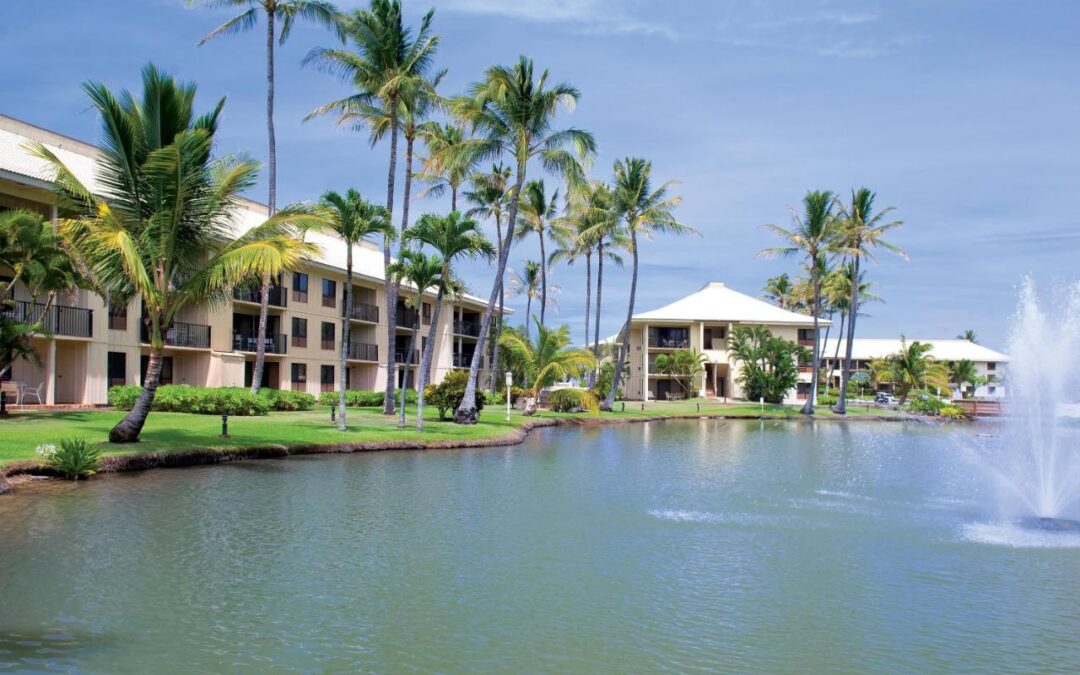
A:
(589, 16)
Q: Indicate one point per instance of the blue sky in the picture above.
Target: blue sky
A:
(965, 115)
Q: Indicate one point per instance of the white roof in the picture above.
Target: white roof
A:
(81, 159)
(868, 349)
(717, 302)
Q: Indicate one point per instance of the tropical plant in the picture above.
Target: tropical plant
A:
(353, 219)
(389, 62)
(511, 112)
(684, 366)
(810, 236)
(549, 358)
(769, 367)
(610, 237)
(910, 368)
(780, 291)
(970, 335)
(526, 283)
(573, 399)
(446, 395)
(445, 166)
(645, 212)
(164, 229)
(455, 239)
(537, 213)
(861, 231)
(75, 458)
(422, 272)
(964, 372)
(837, 290)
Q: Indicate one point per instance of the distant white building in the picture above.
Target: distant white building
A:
(988, 362)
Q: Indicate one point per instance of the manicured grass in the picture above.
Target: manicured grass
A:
(167, 432)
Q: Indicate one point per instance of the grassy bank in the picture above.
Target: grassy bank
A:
(176, 432)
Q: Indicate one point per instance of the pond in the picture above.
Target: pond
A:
(699, 545)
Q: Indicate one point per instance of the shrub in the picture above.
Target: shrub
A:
(953, 412)
(927, 405)
(519, 394)
(827, 399)
(447, 394)
(284, 399)
(573, 400)
(76, 458)
(183, 398)
(364, 398)
(495, 397)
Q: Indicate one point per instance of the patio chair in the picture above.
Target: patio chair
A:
(29, 391)
(12, 391)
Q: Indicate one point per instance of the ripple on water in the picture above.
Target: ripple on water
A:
(1015, 536)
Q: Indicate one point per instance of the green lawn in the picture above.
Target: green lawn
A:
(165, 432)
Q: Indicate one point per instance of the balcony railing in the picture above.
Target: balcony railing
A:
(407, 317)
(399, 357)
(467, 328)
(362, 351)
(362, 311)
(180, 334)
(249, 342)
(668, 343)
(58, 320)
(278, 296)
(465, 361)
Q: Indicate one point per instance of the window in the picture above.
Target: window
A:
(299, 332)
(117, 317)
(166, 369)
(427, 312)
(991, 366)
(117, 368)
(299, 286)
(806, 337)
(327, 335)
(329, 293)
(326, 378)
(299, 376)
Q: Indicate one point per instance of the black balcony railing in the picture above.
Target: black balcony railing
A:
(467, 328)
(669, 343)
(399, 357)
(407, 317)
(362, 351)
(58, 320)
(278, 296)
(244, 341)
(465, 361)
(362, 311)
(180, 334)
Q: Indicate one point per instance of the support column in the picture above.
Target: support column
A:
(644, 362)
(50, 373)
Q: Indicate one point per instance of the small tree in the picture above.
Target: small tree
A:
(911, 368)
(769, 363)
(685, 366)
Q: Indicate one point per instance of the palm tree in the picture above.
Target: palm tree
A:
(550, 358)
(390, 62)
(454, 238)
(537, 213)
(837, 288)
(155, 167)
(970, 335)
(526, 283)
(779, 291)
(422, 272)
(610, 238)
(489, 198)
(511, 112)
(860, 232)
(645, 211)
(910, 368)
(445, 167)
(811, 234)
(288, 12)
(685, 366)
(354, 219)
(965, 372)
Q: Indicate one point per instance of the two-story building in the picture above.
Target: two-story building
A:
(92, 346)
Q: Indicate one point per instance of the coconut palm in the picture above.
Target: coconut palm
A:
(610, 238)
(537, 214)
(445, 167)
(645, 212)
(970, 335)
(550, 358)
(964, 372)
(837, 289)
(422, 272)
(389, 61)
(511, 112)
(354, 219)
(810, 236)
(861, 231)
(489, 197)
(162, 230)
(911, 368)
(527, 283)
(455, 238)
(780, 291)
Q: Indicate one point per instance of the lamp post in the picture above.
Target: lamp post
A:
(225, 426)
(761, 400)
(509, 385)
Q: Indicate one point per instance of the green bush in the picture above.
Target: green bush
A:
(519, 393)
(75, 458)
(285, 399)
(364, 398)
(573, 400)
(447, 395)
(924, 404)
(495, 397)
(952, 412)
(827, 399)
(183, 398)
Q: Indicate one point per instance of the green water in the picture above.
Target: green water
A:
(677, 546)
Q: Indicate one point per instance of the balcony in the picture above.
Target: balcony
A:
(180, 334)
(669, 343)
(407, 317)
(58, 320)
(465, 361)
(278, 296)
(362, 311)
(244, 341)
(362, 351)
(467, 328)
(399, 357)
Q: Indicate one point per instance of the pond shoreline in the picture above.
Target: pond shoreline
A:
(16, 473)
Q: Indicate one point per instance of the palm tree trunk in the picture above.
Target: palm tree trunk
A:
(543, 279)
(429, 351)
(409, 140)
(405, 370)
(391, 287)
(343, 383)
(853, 312)
(260, 336)
(820, 365)
(808, 407)
(453, 198)
(609, 400)
(839, 337)
(128, 429)
(588, 300)
(466, 411)
(599, 288)
(528, 314)
(493, 367)
(271, 202)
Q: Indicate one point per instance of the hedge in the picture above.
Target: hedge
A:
(212, 400)
(364, 398)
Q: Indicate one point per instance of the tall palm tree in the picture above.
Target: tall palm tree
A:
(611, 237)
(526, 283)
(779, 291)
(422, 272)
(537, 213)
(811, 234)
(511, 112)
(550, 358)
(354, 219)
(970, 335)
(910, 368)
(861, 231)
(445, 167)
(288, 12)
(964, 372)
(389, 61)
(837, 288)
(489, 197)
(645, 212)
(155, 168)
(455, 238)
